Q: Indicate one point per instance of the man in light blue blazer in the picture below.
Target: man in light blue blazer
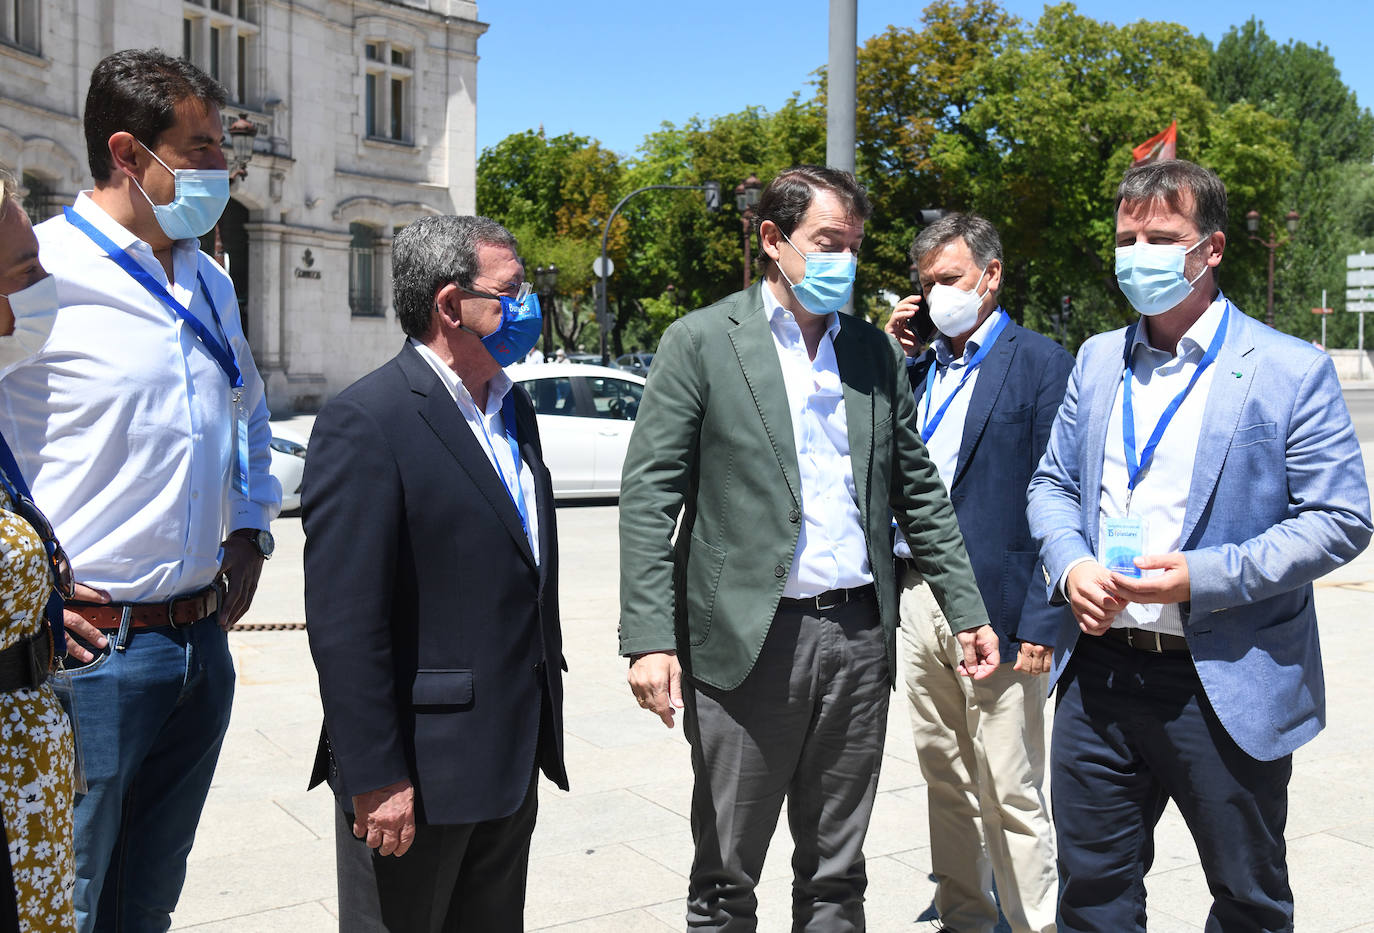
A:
(1217, 460)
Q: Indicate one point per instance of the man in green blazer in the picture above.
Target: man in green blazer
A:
(782, 434)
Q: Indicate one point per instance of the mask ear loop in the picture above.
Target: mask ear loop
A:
(1192, 282)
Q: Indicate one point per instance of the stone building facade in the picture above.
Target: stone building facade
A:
(365, 113)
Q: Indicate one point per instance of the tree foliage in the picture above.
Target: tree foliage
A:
(1030, 124)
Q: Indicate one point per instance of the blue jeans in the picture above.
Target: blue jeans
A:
(152, 718)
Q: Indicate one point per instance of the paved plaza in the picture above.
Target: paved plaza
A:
(612, 855)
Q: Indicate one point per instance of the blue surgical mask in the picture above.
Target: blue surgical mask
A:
(828, 281)
(522, 325)
(1151, 275)
(199, 201)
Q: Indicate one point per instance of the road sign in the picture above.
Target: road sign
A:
(1359, 278)
(1364, 307)
(610, 267)
(1322, 310)
(1360, 261)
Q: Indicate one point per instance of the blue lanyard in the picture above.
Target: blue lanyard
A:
(517, 496)
(12, 478)
(222, 352)
(1134, 469)
(928, 428)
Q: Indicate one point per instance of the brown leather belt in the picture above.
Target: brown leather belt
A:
(1149, 640)
(178, 612)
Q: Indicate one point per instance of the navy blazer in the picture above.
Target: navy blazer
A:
(1018, 391)
(434, 631)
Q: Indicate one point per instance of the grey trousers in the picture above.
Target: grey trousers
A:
(807, 724)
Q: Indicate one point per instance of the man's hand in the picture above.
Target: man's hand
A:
(1093, 597)
(242, 567)
(78, 626)
(656, 681)
(1171, 586)
(1033, 659)
(980, 652)
(899, 324)
(386, 818)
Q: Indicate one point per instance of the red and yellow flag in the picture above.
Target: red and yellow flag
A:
(1160, 146)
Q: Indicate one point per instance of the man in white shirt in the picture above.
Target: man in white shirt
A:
(987, 391)
(142, 428)
(1201, 473)
(781, 432)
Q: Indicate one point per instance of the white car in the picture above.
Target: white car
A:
(288, 465)
(585, 417)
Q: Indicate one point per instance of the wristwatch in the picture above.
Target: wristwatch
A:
(262, 541)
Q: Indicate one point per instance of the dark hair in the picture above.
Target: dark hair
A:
(976, 231)
(789, 194)
(1168, 181)
(430, 253)
(136, 91)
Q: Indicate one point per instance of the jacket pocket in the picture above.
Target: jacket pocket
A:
(441, 688)
(704, 566)
(1254, 434)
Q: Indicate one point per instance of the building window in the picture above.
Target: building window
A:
(387, 81)
(40, 201)
(221, 38)
(364, 271)
(19, 23)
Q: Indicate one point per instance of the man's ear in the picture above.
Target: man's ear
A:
(1218, 244)
(994, 275)
(448, 304)
(770, 239)
(124, 154)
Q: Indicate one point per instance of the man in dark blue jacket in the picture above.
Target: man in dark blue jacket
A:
(987, 391)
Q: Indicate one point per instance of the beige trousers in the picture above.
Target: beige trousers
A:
(981, 747)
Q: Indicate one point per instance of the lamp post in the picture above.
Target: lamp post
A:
(241, 135)
(601, 267)
(1252, 223)
(746, 198)
(545, 281)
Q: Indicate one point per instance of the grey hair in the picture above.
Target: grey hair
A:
(430, 253)
(1168, 181)
(976, 231)
(9, 192)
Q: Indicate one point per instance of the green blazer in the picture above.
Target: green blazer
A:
(713, 443)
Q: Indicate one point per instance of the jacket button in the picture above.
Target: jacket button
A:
(539, 668)
(779, 571)
(794, 516)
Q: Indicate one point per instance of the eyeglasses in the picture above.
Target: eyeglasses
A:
(58, 562)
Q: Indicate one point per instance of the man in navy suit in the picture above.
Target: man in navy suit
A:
(987, 391)
(1202, 472)
(431, 598)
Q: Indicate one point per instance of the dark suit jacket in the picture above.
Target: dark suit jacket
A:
(1019, 389)
(435, 635)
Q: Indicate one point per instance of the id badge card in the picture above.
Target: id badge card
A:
(239, 460)
(1123, 540)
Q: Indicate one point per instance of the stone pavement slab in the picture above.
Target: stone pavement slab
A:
(613, 854)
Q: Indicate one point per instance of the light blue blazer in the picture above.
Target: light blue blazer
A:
(1278, 497)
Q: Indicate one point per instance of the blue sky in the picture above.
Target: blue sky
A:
(615, 69)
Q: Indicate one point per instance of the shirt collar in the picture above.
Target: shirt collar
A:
(497, 386)
(780, 316)
(1195, 340)
(944, 353)
(119, 234)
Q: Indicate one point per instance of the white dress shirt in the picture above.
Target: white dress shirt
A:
(123, 422)
(943, 445)
(831, 551)
(1161, 495)
(489, 428)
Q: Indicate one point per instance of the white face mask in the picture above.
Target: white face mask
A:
(35, 311)
(954, 311)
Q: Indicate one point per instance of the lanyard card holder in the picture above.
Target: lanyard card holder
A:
(239, 457)
(1123, 540)
(62, 686)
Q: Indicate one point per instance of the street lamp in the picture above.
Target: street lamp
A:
(241, 134)
(1252, 223)
(545, 281)
(746, 199)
